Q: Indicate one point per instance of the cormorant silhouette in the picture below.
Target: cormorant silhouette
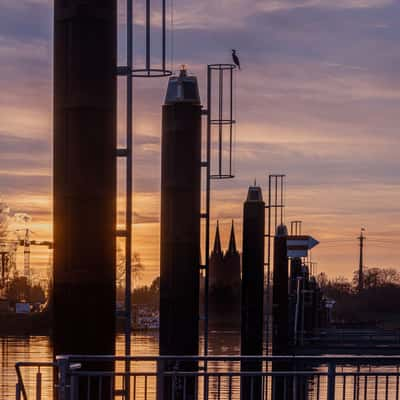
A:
(235, 58)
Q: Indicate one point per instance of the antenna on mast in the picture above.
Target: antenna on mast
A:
(361, 238)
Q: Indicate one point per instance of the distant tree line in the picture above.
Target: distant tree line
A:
(149, 295)
(19, 289)
(380, 294)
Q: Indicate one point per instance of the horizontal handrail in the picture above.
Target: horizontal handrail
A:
(232, 374)
(336, 359)
(20, 364)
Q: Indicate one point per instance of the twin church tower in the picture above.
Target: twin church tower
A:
(225, 280)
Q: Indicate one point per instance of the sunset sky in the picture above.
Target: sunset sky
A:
(318, 99)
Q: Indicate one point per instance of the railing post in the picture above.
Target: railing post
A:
(74, 388)
(295, 387)
(205, 394)
(17, 391)
(160, 378)
(38, 385)
(331, 381)
(62, 378)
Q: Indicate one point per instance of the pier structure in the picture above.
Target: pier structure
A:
(305, 299)
(280, 307)
(305, 303)
(180, 223)
(85, 46)
(84, 181)
(275, 209)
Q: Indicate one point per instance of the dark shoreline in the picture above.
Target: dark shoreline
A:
(25, 324)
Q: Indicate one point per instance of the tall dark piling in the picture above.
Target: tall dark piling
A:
(280, 310)
(180, 227)
(85, 181)
(252, 290)
(84, 176)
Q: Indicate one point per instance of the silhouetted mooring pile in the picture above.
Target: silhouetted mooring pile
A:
(180, 222)
(84, 178)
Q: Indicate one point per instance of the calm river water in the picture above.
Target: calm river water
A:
(38, 348)
(222, 342)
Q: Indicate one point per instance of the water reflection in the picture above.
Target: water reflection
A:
(38, 348)
(224, 342)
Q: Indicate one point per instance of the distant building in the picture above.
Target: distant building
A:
(216, 262)
(225, 278)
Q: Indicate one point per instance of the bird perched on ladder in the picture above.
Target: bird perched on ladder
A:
(235, 58)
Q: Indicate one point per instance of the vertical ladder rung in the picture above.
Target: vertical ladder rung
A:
(122, 70)
(122, 152)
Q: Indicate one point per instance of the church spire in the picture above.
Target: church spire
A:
(217, 241)
(232, 241)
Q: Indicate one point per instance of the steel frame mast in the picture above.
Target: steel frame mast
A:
(223, 172)
(276, 184)
(129, 72)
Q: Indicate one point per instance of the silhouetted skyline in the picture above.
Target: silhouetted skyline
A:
(318, 100)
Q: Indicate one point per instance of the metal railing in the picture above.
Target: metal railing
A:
(226, 377)
(31, 386)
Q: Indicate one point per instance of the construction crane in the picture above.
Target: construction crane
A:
(11, 239)
(27, 243)
(25, 219)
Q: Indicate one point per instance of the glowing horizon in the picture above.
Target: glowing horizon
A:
(317, 99)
